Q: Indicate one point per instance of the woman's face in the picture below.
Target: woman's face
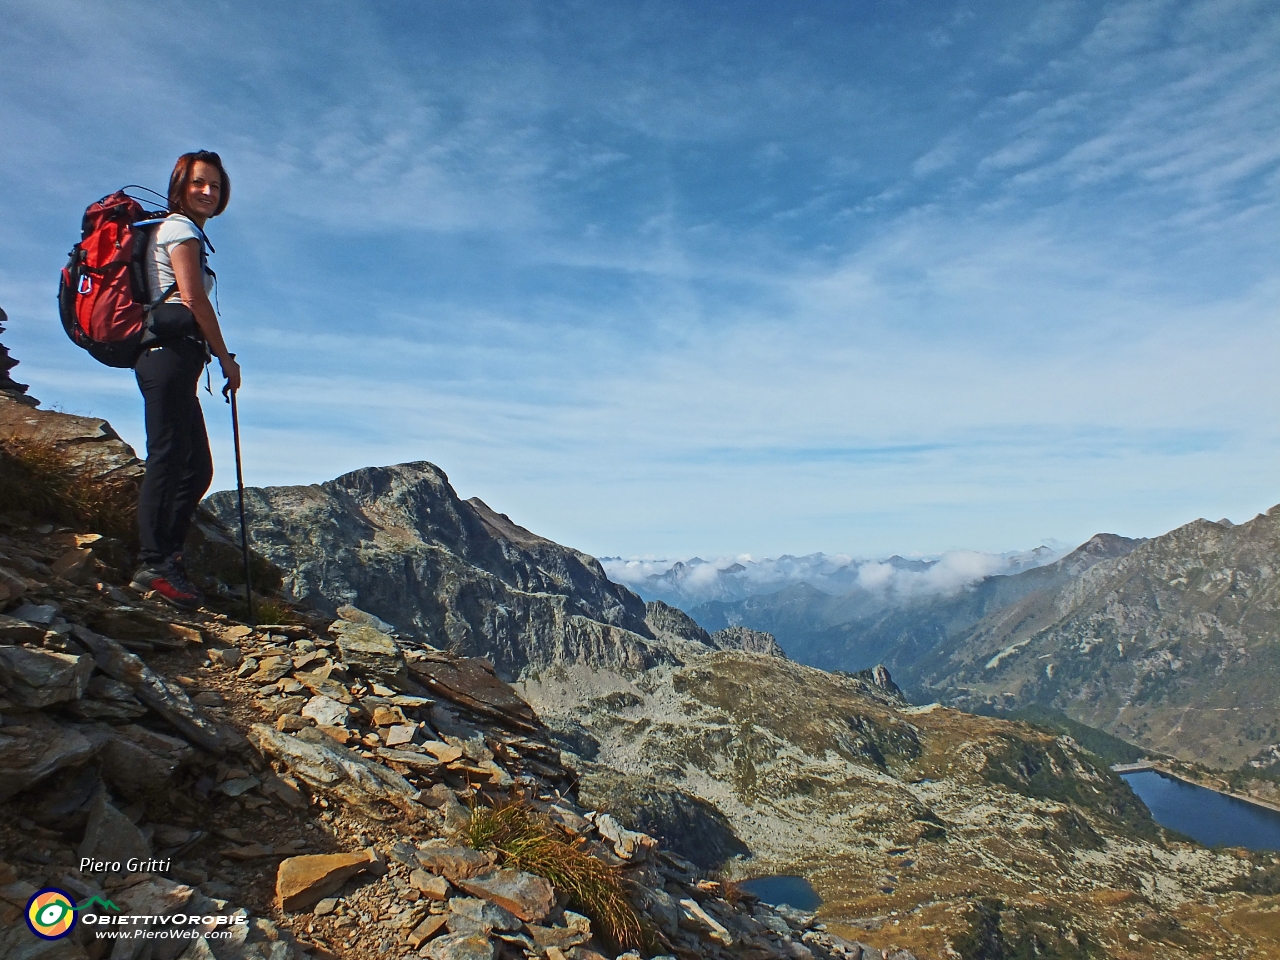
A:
(204, 190)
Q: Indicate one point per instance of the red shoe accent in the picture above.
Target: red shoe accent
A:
(172, 588)
(179, 598)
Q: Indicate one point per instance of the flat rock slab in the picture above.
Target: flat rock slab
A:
(443, 752)
(401, 734)
(272, 669)
(527, 896)
(427, 929)
(388, 716)
(167, 699)
(302, 882)
(39, 614)
(332, 769)
(455, 863)
(13, 630)
(411, 760)
(324, 687)
(430, 885)
(460, 946)
(470, 682)
(471, 914)
(326, 712)
(40, 678)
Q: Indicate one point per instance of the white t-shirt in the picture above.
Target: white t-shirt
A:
(175, 229)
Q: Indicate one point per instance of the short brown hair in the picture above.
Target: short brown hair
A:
(181, 176)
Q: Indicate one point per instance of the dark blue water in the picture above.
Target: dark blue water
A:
(1207, 817)
(793, 891)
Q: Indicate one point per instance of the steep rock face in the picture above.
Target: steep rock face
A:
(399, 543)
(673, 624)
(746, 640)
(681, 632)
(1172, 646)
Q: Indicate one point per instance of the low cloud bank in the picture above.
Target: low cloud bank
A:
(695, 580)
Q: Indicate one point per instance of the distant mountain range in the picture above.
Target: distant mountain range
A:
(691, 582)
(861, 628)
(1171, 643)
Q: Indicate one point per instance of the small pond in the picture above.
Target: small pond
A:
(1210, 818)
(794, 891)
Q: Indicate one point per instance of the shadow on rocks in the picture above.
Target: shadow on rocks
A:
(688, 825)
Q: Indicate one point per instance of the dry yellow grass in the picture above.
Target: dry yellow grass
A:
(529, 841)
(40, 479)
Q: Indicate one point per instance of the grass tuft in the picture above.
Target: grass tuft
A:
(273, 611)
(40, 479)
(528, 841)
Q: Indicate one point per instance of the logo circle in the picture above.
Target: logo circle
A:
(51, 914)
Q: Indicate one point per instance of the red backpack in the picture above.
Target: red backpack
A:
(102, 296)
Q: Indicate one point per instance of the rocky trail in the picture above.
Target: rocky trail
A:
(317, 779)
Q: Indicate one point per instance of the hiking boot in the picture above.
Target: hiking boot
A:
(170, 583)
(175, 562)
(180, 570)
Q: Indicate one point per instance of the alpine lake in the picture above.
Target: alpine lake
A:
(1210, 818)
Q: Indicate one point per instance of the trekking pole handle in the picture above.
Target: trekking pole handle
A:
(226, 387)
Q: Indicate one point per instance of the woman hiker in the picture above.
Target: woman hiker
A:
(183, 333)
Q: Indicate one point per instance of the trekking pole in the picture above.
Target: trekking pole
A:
(230, 396)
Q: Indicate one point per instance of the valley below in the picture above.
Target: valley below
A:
(1170, 644)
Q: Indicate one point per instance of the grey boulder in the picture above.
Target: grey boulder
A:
(40, 678)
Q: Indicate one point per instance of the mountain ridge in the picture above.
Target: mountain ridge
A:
(1170, 645)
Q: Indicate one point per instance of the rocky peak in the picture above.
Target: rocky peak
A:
(399, 542)
(673, 624)
(1167, 642)
(1099, 547)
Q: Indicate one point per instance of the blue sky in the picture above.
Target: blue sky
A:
(662, 278)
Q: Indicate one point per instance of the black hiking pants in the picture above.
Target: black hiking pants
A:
(179, 464)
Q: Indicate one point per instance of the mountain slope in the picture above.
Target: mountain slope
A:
(399, 542)
(1172, 646)
(901, 816)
